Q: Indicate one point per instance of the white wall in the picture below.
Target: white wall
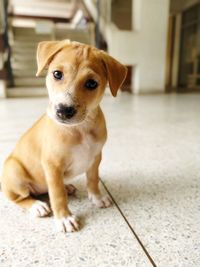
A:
(145, 47)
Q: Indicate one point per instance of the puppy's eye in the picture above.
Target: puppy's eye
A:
(57, 74)
(91, 84)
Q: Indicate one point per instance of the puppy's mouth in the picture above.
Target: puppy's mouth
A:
(69, 121)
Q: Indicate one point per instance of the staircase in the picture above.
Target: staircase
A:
(24, 35)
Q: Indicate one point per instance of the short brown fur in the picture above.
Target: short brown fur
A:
(46, 154)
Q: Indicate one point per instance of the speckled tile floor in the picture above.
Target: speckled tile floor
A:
(151, 167)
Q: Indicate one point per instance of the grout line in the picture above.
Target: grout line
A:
(129, 225)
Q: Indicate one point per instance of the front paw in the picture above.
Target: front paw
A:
(100, 201)
(67, 224)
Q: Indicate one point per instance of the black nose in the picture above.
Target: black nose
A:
(65, 112)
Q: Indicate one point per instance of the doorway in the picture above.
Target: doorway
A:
(189, 64)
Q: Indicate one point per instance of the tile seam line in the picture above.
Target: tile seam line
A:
(129, 225)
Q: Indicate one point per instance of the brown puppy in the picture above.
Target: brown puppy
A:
(68, 139)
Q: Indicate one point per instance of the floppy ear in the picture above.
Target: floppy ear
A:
(45, 52)
(116, 73)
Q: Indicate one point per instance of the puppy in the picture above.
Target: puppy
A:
(68, 139)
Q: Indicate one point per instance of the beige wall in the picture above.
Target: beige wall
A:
(179, 5)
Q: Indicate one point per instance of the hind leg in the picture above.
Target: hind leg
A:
(70, 189)
(15, 185)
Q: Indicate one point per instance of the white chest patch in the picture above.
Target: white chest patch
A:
(83, 155)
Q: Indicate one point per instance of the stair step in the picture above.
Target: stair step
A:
(31, 81)
(26, 92)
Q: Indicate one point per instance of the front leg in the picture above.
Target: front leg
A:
(93, 185)
(65, 221)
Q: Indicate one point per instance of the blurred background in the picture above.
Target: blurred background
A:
(158, 40)
(151, 160)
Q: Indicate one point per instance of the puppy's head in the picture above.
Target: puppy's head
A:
(76, 78)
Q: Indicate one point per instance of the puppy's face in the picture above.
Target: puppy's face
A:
(76, 80)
